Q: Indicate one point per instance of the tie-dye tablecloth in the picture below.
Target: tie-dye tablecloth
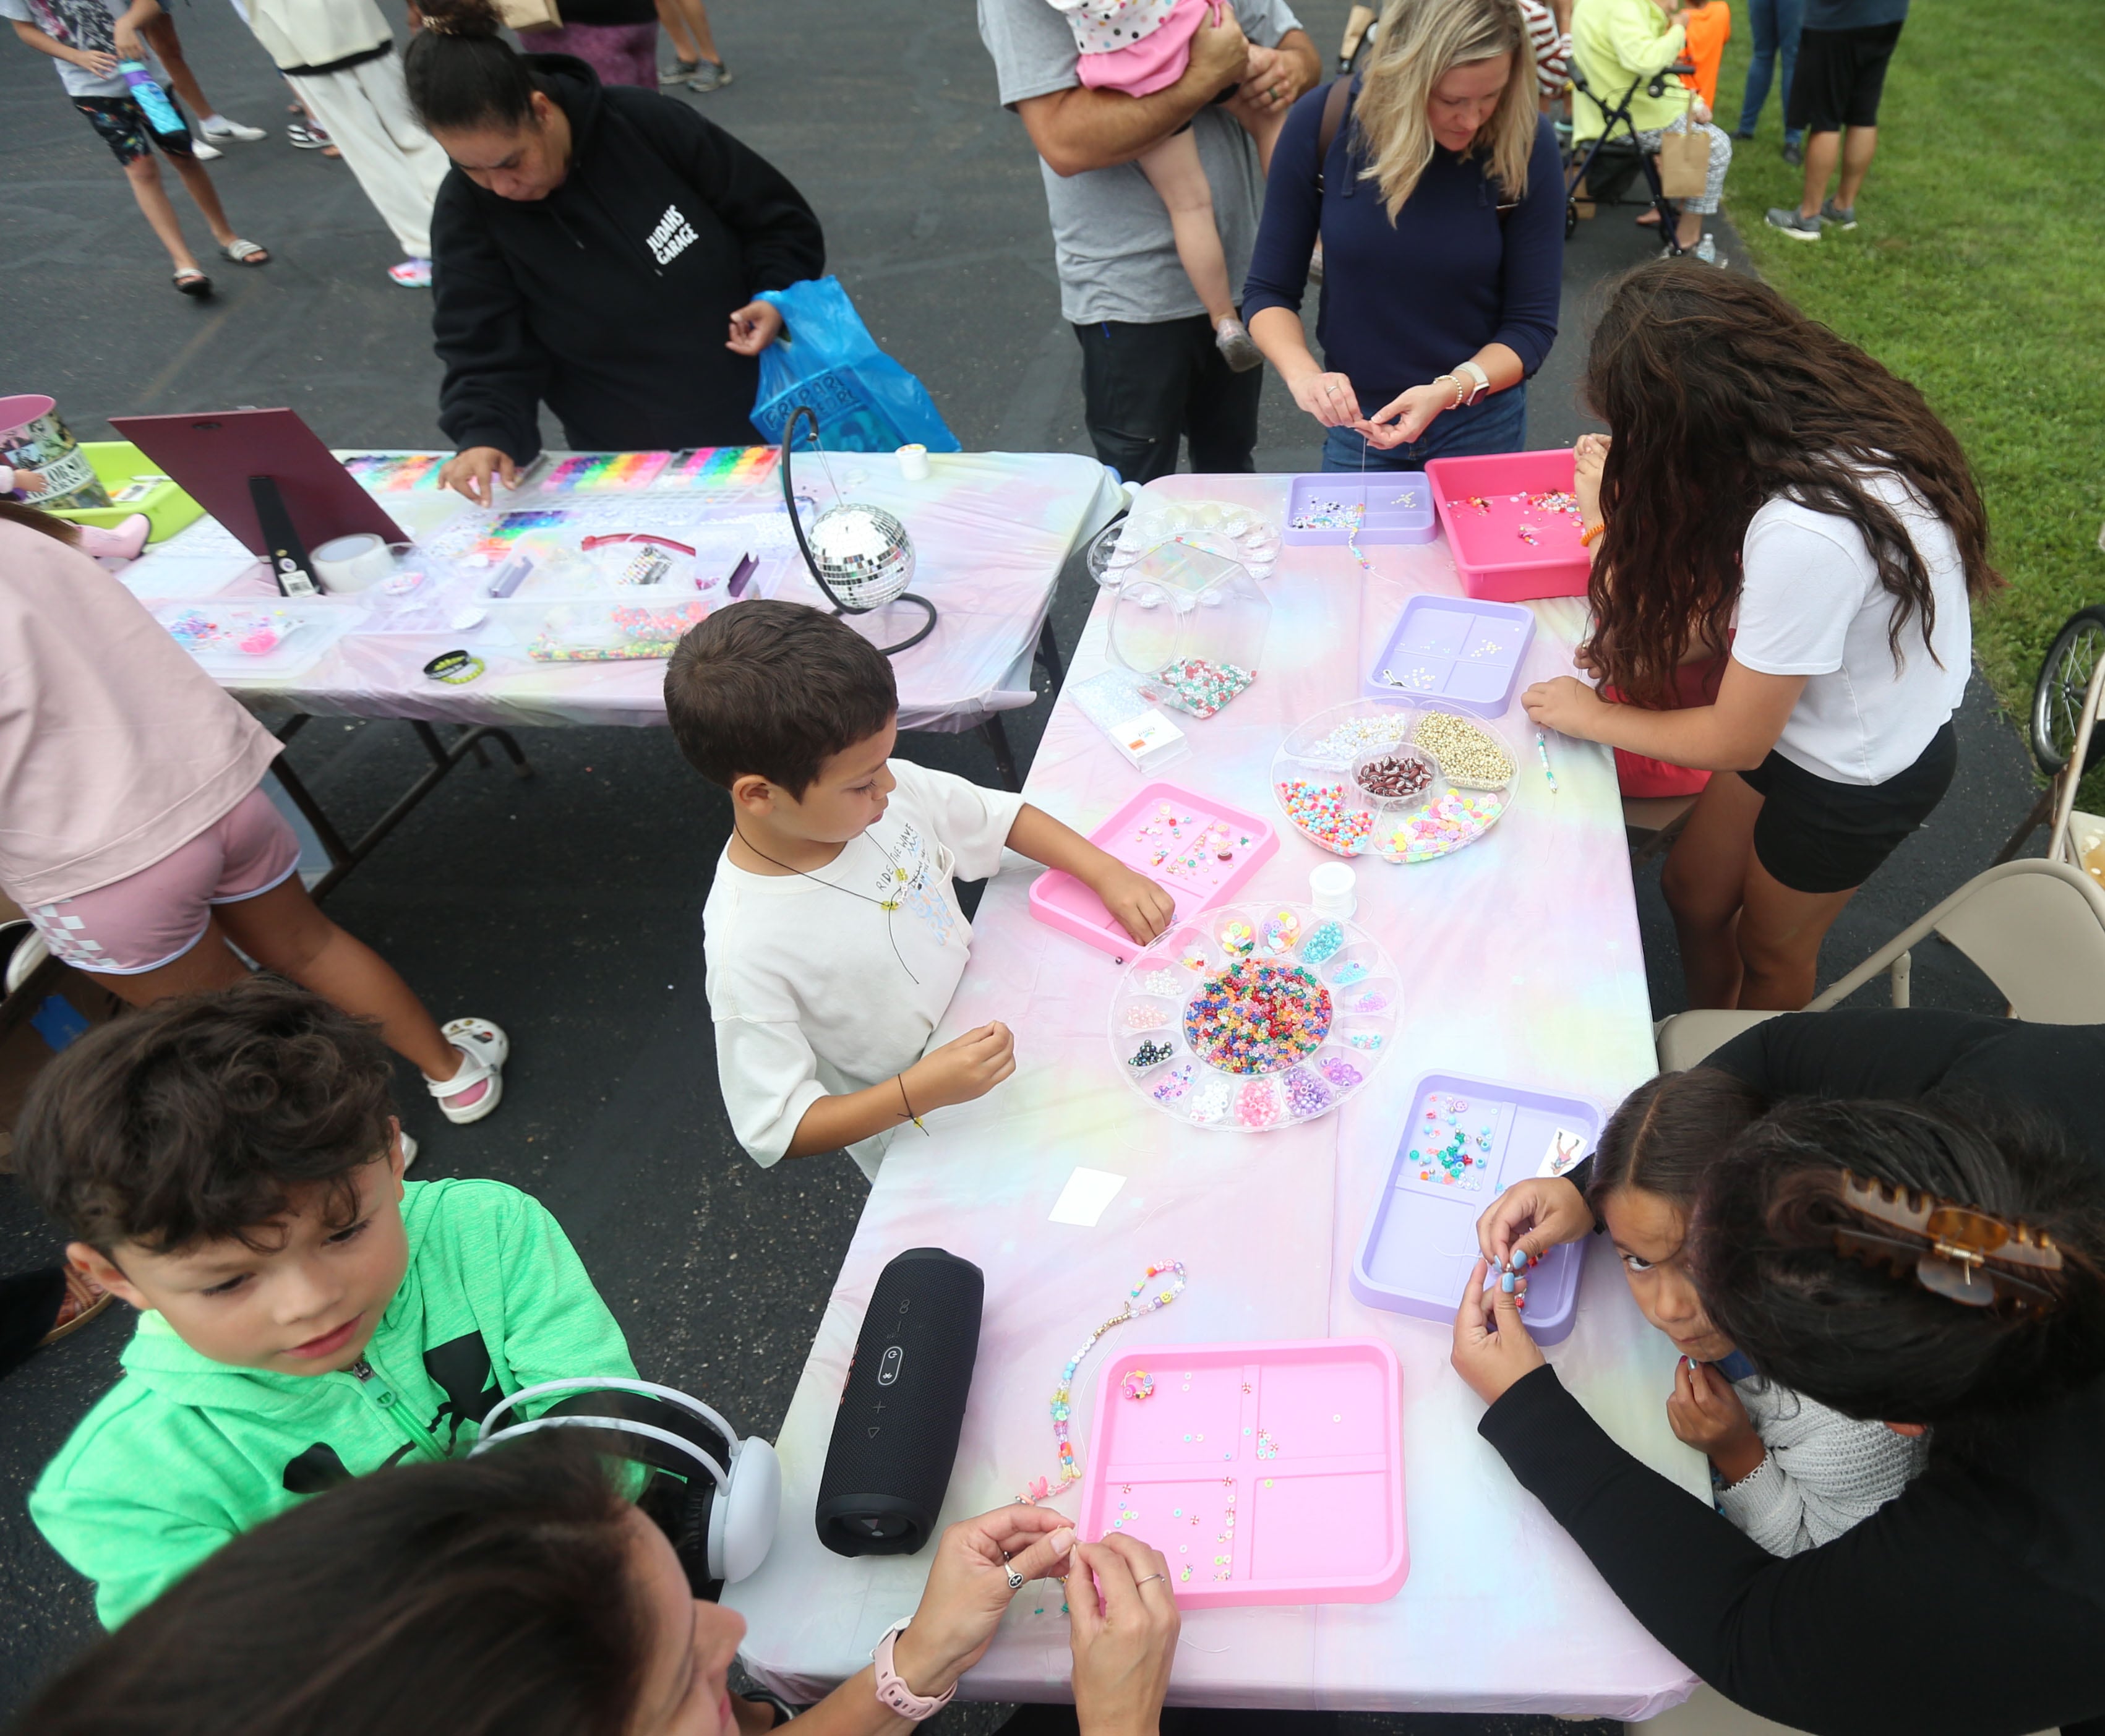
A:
(990, 531)
(1521, 962)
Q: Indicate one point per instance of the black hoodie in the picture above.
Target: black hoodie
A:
(611, 298)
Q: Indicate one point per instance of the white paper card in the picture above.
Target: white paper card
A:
(1566, 1149)
(1086, 1194)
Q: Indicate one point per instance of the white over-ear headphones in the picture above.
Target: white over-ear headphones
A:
(747, 1500)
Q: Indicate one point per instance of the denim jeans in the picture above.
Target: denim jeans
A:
(1498, 424)
(1776, 25)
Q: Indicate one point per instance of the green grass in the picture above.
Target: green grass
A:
(1977, 271)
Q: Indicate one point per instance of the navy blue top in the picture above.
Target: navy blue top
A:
(1404, 303)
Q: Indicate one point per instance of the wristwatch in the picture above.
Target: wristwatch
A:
(1481, 382)
(893, 1694)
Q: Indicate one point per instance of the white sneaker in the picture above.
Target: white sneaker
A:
(227, 129)
(203, 152)
(484, 1050)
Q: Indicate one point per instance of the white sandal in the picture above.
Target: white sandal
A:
(485, 1049)
(245, 252)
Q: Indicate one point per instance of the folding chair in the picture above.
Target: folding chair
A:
(2034, 929)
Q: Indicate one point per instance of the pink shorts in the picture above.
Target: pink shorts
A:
(152, 918)
(1154, 63)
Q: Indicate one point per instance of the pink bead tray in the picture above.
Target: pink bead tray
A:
(1165, 855)
(1490, 553)
(1264, 1473)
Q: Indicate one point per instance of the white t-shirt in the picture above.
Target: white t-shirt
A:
(816, 990)
(83, 24)
(1811, 604)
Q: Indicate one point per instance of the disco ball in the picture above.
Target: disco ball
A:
(863, 553)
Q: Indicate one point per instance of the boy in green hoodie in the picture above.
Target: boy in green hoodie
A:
(230, 1164)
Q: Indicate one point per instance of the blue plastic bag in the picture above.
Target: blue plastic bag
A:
(825, 358)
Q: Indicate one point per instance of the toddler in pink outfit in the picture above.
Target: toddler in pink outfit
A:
(1137, 48)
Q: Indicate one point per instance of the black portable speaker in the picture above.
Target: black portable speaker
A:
(895, 1439)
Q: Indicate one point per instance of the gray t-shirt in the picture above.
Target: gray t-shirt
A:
(1111, 232)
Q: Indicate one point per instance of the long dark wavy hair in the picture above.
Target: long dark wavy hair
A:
(1721, 395)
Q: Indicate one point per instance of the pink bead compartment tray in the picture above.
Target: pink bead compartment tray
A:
(1264, 1473)
(1483, 504)
(1198, 850)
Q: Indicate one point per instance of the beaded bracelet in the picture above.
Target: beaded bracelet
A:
(1070, 1472)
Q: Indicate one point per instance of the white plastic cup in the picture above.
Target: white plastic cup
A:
(1330, 890)
(914, 463)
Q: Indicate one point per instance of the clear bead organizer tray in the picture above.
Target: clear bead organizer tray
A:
(1255, 1017)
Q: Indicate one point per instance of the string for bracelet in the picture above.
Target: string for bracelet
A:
(1062, 1395)
(889, 906)
(901, 1078)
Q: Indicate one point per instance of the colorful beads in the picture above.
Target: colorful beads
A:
(1173, 1084)
(1348, 973)
(1281, 931)
(1140, 1016)
(1327, 515)
(1444, 826)
(1201, 687)
(1340, 1072)
(1062, 1407)
(1399, 775)
(1150, 1054)
(1139, 1384)
(1440, 1146)
(1238, 937)
(1319, 811)
(1325, 940)
(1257, 1018)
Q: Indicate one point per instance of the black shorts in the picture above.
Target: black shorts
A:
(1815, 835)
(1839, 78)
(121, 124)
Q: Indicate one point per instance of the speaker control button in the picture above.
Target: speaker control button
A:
(887, 1369)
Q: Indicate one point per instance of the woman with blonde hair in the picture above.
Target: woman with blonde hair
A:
(1435, 187)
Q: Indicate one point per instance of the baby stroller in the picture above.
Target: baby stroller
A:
(1607, 165)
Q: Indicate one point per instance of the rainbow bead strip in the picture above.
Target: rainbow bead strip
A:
(1063, 1394)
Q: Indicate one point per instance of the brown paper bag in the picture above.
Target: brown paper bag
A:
(527, 17)
(1684, 158)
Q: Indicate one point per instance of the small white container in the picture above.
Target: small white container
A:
(1330, 890)
(914, 463)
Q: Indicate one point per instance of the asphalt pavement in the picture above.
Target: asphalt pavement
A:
(567, 905)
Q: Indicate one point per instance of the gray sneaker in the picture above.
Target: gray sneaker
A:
(1798, 228)
(1831, 212)
(711, 75)
(679, 72)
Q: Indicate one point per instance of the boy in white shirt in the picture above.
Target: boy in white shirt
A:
(833, 931)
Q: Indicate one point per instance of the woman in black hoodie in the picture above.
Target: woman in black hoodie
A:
(598, 248)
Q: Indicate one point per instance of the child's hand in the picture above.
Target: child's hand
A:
(966, 1067)
(1569, 706)
(95, 60)
(1534, 1216)
(1492, 1350)
(1590, 453)
(128, 45)
(1706, 1413)
(1143, 909)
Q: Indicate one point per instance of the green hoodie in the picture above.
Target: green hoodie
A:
(184, 1453)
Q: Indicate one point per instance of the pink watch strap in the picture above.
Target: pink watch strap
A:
(895, 1695)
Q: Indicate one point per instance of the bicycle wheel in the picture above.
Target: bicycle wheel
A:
(2058, 696)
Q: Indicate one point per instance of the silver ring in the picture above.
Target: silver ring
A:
(1138, 1583)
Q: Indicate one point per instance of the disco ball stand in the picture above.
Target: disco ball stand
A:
(858, 555)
